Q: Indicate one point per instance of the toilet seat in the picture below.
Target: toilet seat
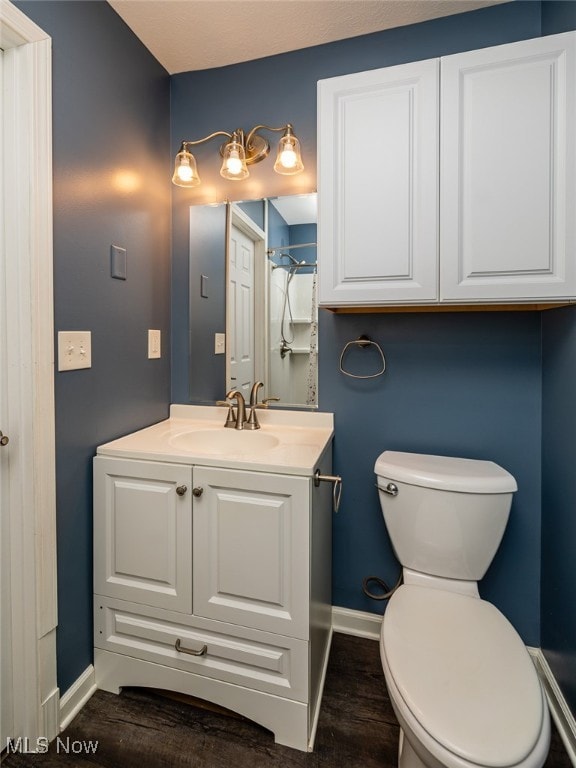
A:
(463, 674)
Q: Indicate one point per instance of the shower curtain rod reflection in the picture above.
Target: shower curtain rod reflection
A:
(272, 251)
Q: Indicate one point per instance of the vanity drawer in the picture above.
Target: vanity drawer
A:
(248, 657)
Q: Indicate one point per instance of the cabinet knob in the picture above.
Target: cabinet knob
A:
(4, 439)
(181, 490)
(197, 492)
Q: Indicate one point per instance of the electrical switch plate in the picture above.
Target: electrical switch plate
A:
(74, 350)
(118, 262)
(204, 286)
(219, 343)
(154, 343)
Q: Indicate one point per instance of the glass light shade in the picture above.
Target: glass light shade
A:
(288, 160)
(185, 171)
(234, 162)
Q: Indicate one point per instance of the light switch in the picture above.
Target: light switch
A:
(204, 286)
(219, 343)
(118, 262)
(74, 350)
(154, 345)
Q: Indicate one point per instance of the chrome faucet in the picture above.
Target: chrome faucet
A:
(240, 420)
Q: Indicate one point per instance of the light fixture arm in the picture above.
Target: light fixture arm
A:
(206, 138)
(288, 128)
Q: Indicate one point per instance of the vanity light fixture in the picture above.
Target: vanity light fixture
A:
(238, 152)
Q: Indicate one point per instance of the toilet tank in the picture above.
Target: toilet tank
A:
(445, 516)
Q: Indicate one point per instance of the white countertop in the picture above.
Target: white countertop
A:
(288, 442)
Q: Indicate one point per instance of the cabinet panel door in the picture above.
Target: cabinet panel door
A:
(378, 186)
(143, 532)
(508, 171)
(251, 550)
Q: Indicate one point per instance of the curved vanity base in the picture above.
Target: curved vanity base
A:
(291, 722)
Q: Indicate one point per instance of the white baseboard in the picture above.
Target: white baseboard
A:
(76, 696)
(358, 623)
(559, 709)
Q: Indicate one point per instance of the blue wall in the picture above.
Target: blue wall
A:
(466, 385)
(455, 384)
(111, 185)
(559, 497)
(558, 629)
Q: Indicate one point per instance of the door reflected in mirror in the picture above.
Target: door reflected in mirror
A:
(271, 304)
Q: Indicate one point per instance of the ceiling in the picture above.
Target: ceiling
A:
(187, 35)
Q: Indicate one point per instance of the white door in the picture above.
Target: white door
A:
(251, 550)
(508, 171)
(240, 311)
(30, 697)
(143, 532)
(378, 186)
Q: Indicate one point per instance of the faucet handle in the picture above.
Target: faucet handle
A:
(267, 401)
(230, 418)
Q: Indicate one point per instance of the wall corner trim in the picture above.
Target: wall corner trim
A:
(76, 696)
(559, 709)
(357, 623)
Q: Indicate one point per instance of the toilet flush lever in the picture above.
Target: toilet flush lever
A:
(336, 490)
(391, 489)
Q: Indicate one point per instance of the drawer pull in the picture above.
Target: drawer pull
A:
(179, 648)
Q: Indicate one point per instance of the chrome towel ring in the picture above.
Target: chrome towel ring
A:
(362, 342)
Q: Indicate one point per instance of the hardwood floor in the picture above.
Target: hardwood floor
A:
(143, 729)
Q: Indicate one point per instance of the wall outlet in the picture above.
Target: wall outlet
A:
(154, 345)
(74, 350)
(219, 343)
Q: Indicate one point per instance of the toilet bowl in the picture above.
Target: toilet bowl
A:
(462, 684)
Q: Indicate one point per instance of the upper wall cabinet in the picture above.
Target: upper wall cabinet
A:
(378, 186)
(507, 176)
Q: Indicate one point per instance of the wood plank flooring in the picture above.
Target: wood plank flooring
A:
(143, 729)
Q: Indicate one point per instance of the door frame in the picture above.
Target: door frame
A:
(27, 213)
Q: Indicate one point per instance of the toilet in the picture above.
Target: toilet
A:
(460, 679)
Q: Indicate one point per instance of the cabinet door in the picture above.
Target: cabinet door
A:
(508, 172)
(251, 550)
(143, 532)
(378, 186)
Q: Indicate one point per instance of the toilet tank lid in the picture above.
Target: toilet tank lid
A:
(445, 473)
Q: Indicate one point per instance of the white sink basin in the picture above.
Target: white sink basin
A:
(235, 441)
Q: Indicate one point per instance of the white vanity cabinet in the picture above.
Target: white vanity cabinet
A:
(215, 582)
(506, 176)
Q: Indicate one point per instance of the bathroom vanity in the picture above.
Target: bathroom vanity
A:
(212, 564)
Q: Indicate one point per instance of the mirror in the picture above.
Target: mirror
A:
(268, 271)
